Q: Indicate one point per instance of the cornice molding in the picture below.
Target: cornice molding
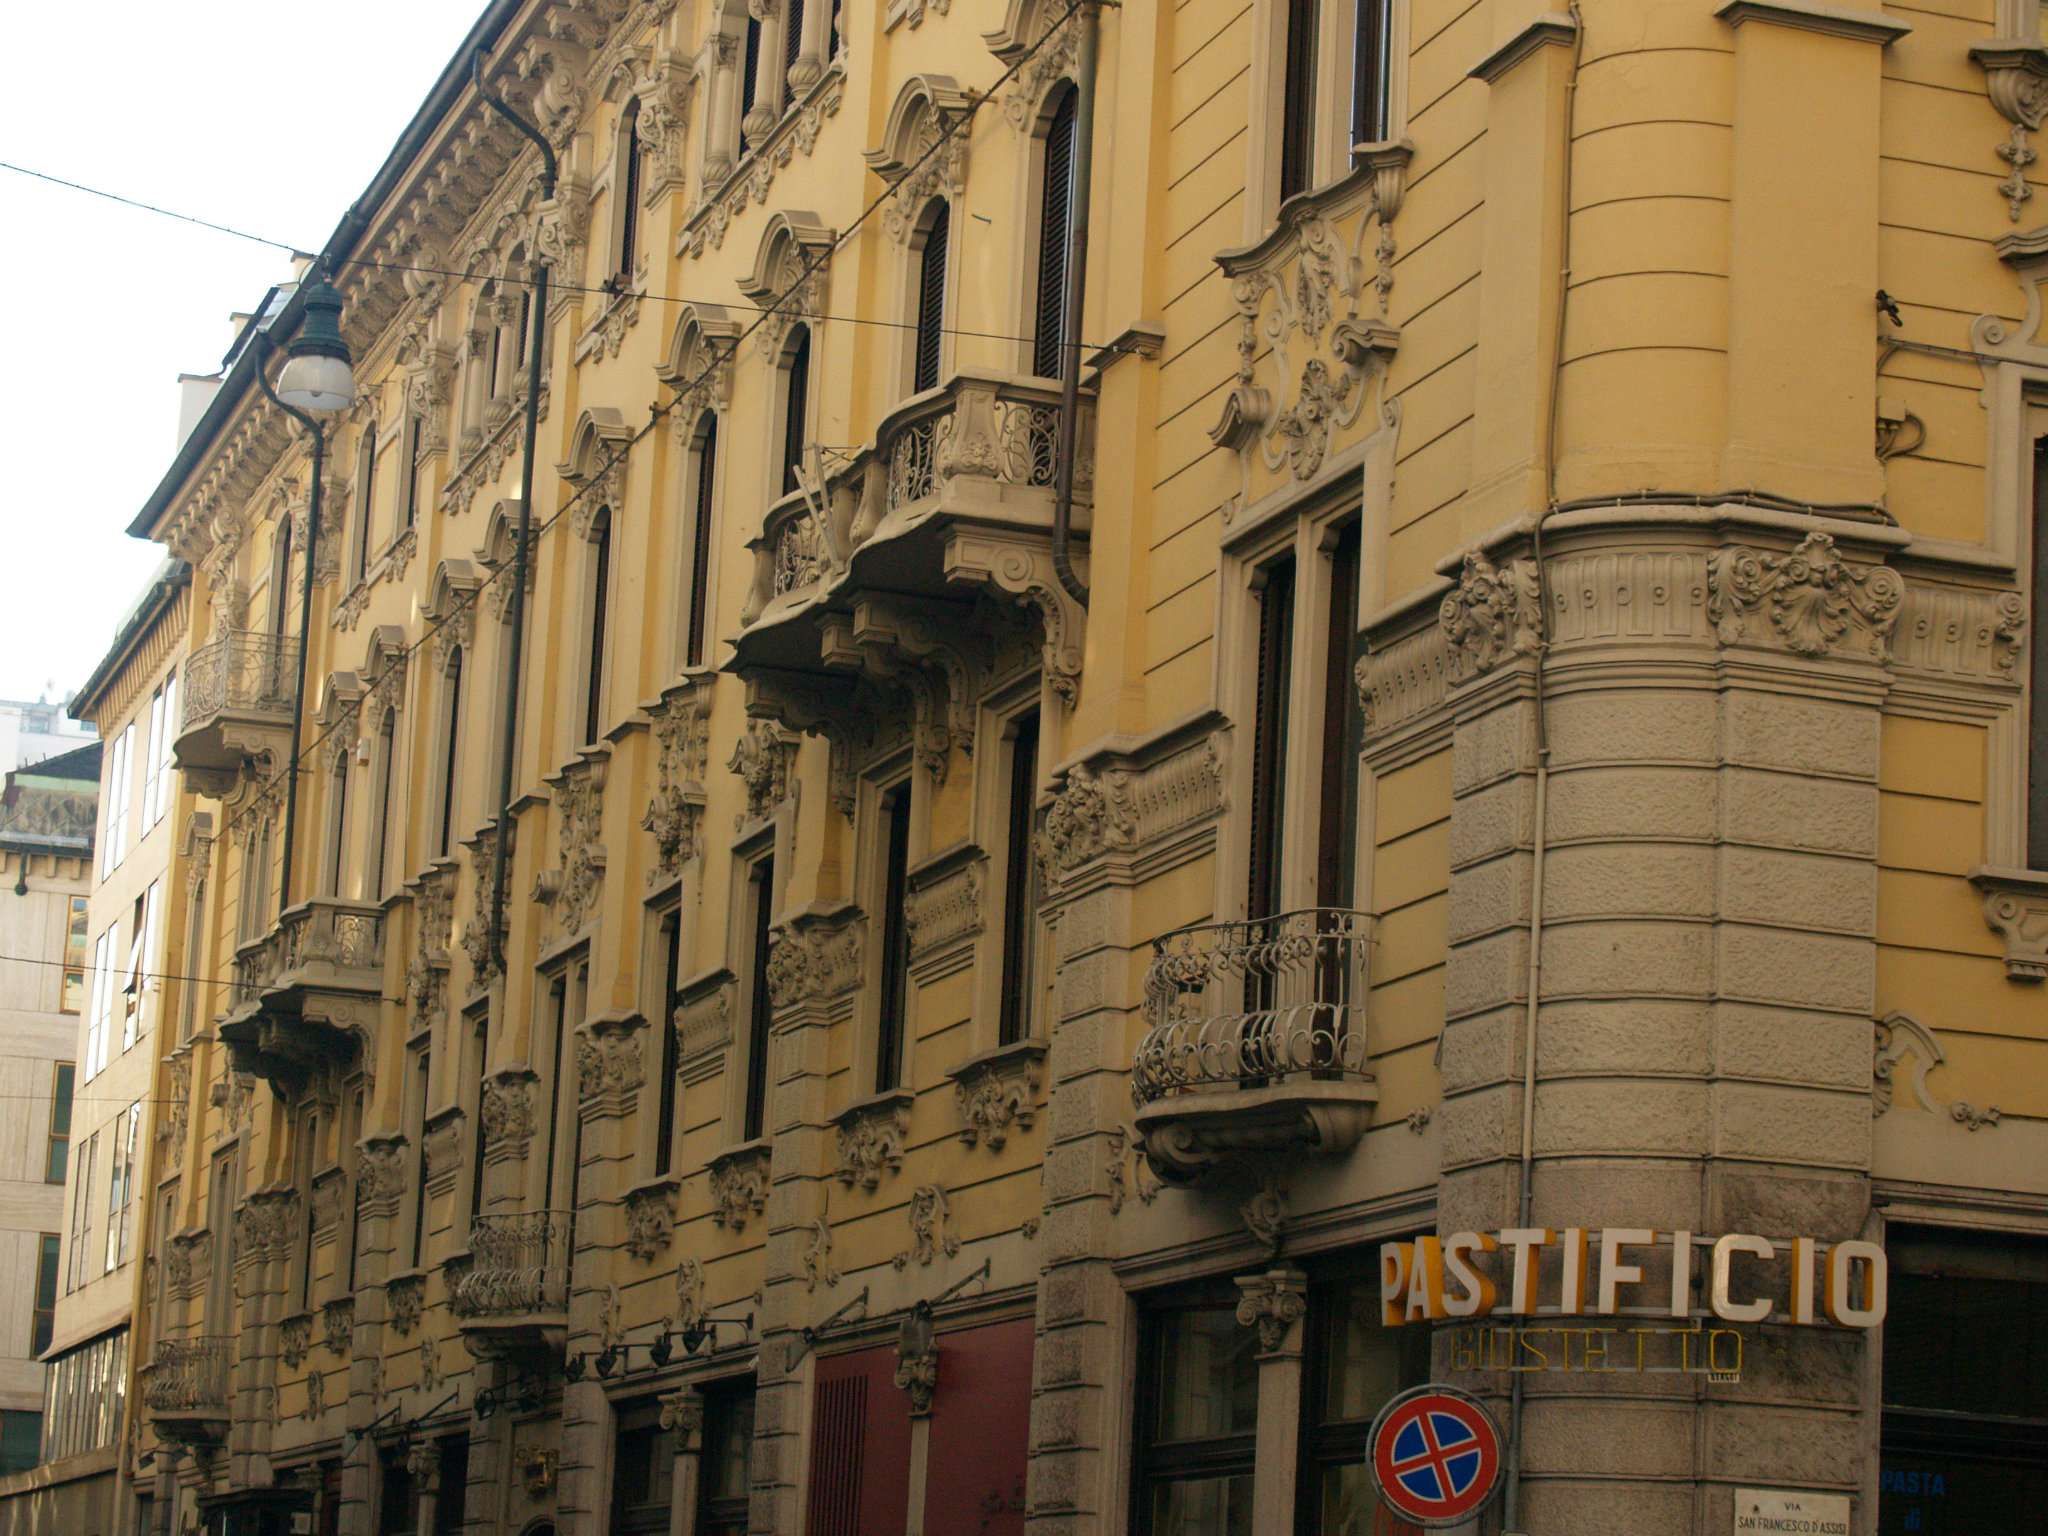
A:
(1831, 20)
(1555, 29)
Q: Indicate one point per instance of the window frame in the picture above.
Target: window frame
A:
(893, 849)
(699, 549)
(928, 341)
(61, 1097)
(1154, 1463)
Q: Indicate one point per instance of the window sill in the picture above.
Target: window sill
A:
(2016, 907)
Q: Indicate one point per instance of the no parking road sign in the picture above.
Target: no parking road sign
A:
(1436, 1455)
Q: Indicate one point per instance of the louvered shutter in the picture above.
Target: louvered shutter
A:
(835, 1457)
(931, 299)
(796, 407)
(700, 540)
(750, 64)
(1055, 225)
(792, 33)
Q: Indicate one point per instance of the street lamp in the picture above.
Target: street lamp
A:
(316, 378)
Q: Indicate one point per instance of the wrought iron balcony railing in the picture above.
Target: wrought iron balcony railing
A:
(243, 670)
(1256, 1039)
(189, 1378)
(519, 1265)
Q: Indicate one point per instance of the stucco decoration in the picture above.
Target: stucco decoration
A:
(430, 1367)
(762, 758)
(177, 1110)
(294, 1338)
(789, 279)
(1273, 1303)
(1125, 806)
(997, 1092)
(476, 934)
(871, 1136)
(739, 1185)
(404, 1296)
(811, 962)
(2016, 80)
(1814, 601)
(703, 1026)
(923, 153)
(1492, 615)
(338, 1324)
(931, 1228)
(443, 1135)
(426, 975)
(682, 1414)
(1264, 1212)
(316, 1394)
(2016, 907)
(570, 890)
(380, 1174)
(731, 189)
(1900, 1037)
(665, 87)
(600, 454)
(507, 1111)
(817, 1255)
(1023, 571)
(689, 1295)
(1312, 316)
(609, 1069)
(1040, 62)
(698, 366)
(650, 1218)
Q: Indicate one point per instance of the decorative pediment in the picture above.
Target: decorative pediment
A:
(1040, 62)
(599, 450)
(923, 153)
(495, 553)
(698, 365)
(341, 698)
(788, 279)
(451, 605)
(1313, 324)
(681, 720)
(571, 888)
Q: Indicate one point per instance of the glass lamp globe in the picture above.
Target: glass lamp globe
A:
(318, 376)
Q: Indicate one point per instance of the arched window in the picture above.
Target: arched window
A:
(626, 179)
(796, 404)
(600, 585)
(750, 66)
(698, 573)
(1298, 99)
(451, 749)
(931, 298)
(1055, 232)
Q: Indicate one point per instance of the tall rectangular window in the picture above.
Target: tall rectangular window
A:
(700, 541)
(45, 1316)
(100, 1025)
(151, 758)
(167, 764)
(2037, 671)
(891, 1025)
(415, 462)
(81, 1213)
(1370, 82)
(1020, 883)
(1298, 99)
(1197, 1419)
(760, 1008)
(366, 499)
(477, 1054)
(627, 179)
(931, 298)
(643, 1461)
(121, 1183)
(1343, 727)
(725, 1471)
(416, 1129)
(1275, 677)
(57, 1154)
(796, 406)
(120, 770)
(665, 1103)
(600, 593)
(1055, 231)
(77, 952)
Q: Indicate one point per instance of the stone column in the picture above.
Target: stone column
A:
(682, 1415)
(767, 73)
(1275, 1303)
(812, 48)
(721, 132)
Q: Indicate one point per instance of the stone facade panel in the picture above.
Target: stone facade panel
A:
(1792, 1125)
(1800, 736)
(1805, 970)
(1782, 811)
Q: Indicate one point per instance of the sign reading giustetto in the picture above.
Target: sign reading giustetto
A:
(1763, 1512)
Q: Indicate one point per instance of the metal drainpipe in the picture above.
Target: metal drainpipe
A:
(291, 783)
(536, 340)
(1077, 287)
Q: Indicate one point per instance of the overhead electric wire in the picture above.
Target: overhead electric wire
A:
(953, 123)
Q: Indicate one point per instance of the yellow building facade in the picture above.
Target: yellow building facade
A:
(1507, 702)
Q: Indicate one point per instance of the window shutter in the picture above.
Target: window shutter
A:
(835, 1457)
(700, 540)
(449, 749)
(1269, 736)
(1055, 225)
(1298, 103)
(593, 701)
(796, 407)
(931, 298)
(792, 33)
(629, 195)
(750, 64)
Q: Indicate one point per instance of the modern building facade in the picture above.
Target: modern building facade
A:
(1506, 700)
(47, 813)
(33, 729)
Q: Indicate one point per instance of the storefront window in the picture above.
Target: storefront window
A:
(726, 1468)
(642, 1469)
(1965, 1436)
(1354, 1367)
(1198, 1421)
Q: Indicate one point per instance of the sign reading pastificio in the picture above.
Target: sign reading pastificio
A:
(1432, 1278)
(1762, 1512)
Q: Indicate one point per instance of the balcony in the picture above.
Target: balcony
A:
(513, 1297)
(186, 1391)
(237, 710)
(1256, 1041)
(951, 505)
(307, 992)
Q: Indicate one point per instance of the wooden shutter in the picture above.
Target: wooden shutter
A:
(593, 699)
(750, 66)
(1269, 735)
(895, 940)
(931, 298)
(792, 33)
(449, 748)
(760, 1012)
(1020, 912)
(628, 181)
(1298, 100)
(700, 540)
(1055, 227)
(796, 407)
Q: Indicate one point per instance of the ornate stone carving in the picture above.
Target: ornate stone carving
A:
(945, 905)
(1089, 815)
(739, 1185)
(1493, 614)
(650, 1218)
(871, 1137)
(426, 977)
(689, 1295)
(817, 1255)
(675, 814)
(430, 1367)
(443, 1136)
(682, 1414)
(294, 1337)
(380, 1175)
(998, 1091)
(608, 1062)
(2016, 79)
(703, 1026)
(338, 1324)
(1132, 804)
(2016, 907)
(316, 1394)
(476, 936)
(1814, 600)
(763, 758)
(404, 1295)
(1273, 1303)
(918, 1375)
(1264, 1213)
(924, 150)
(931, 1228)
(810, 962)
(570, 890)
(1899, 1035)
(507, 1111)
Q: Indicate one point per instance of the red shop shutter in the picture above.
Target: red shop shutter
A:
(860, 1448)
(981, 1432)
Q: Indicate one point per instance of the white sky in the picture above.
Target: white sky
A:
(267, 115)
